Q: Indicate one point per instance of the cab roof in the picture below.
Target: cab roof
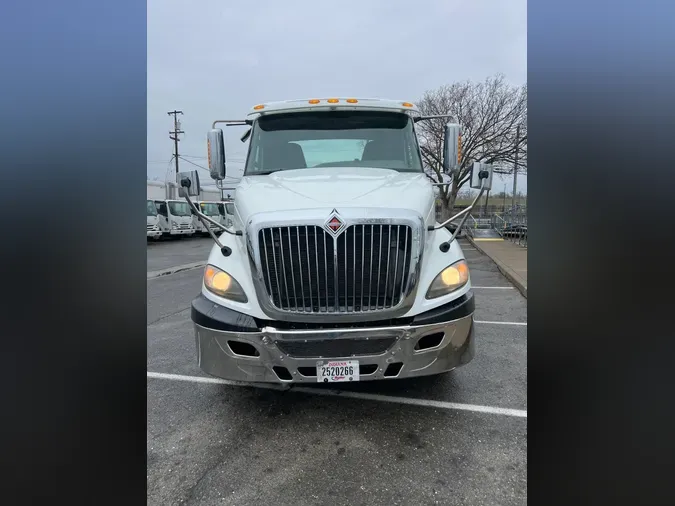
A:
(333, 104)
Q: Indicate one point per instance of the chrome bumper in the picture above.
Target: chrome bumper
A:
(181, 231)
(282, 350)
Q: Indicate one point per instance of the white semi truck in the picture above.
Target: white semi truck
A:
(334, 268)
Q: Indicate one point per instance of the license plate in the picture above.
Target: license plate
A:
(337, 370)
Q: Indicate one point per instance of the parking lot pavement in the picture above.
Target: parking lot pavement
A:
(221, 444)
(171, 252)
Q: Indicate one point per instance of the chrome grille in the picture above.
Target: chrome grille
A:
(306, 270)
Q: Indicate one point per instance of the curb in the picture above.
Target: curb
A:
(506, 271)
(174, 270)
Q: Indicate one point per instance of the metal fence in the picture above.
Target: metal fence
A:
(511, 226)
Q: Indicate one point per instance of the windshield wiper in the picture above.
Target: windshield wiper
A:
(264, 172)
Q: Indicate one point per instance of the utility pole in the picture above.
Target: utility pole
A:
(487, 198)
(515, 173)
(175, 132)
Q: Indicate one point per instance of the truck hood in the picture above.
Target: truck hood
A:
(334, 187)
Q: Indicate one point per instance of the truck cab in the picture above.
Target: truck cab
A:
(211, 210)
(175, 218)
(334, 268)
(226, 209)
(153, 230)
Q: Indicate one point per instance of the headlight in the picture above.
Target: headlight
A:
(450, 279)
(222, 284)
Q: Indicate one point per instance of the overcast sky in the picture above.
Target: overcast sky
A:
(215, 59)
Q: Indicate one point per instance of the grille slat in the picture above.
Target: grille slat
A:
(344, 261)
(405, 253)
(284, 302)
(300, 262)
(357, 272)
(379, 269)
(318, 279)
(336, 348)
(386, 280)
(393, 284)
(354, 273)
(336, 280)
(264, 240)
(325, 269)
(292, 269)
(370, 268)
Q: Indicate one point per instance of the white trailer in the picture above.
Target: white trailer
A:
(157, 190)
(210, 195)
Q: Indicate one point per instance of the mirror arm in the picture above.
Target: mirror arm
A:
(464, 213)
(203, 217)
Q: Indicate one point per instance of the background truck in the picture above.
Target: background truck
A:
(153, 229)
(334, 268)
(175, 218)
(211, 210)
(227, 212)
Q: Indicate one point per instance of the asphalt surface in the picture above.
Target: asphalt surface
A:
(170, 252)
(222, 444)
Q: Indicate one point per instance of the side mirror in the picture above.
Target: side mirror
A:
(216, 152)
(452, 148)
(481, 169)
(188, 182)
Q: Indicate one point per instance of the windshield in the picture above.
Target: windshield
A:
(152, 210)
(210, 209)
(179, 208)
(333, 139)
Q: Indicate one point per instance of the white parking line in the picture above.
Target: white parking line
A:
(352, 395)
(524, 324)
(493, 287)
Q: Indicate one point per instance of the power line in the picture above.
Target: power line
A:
(235, 159)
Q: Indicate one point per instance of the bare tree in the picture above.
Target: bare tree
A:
(489, 113)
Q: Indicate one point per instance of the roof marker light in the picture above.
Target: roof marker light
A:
(332, 100)
(258, 107)
(407, 104)
(352, 101)
(314, 101)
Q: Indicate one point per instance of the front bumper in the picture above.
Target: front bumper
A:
(154, 233)
(235, 346)
(182, 231)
